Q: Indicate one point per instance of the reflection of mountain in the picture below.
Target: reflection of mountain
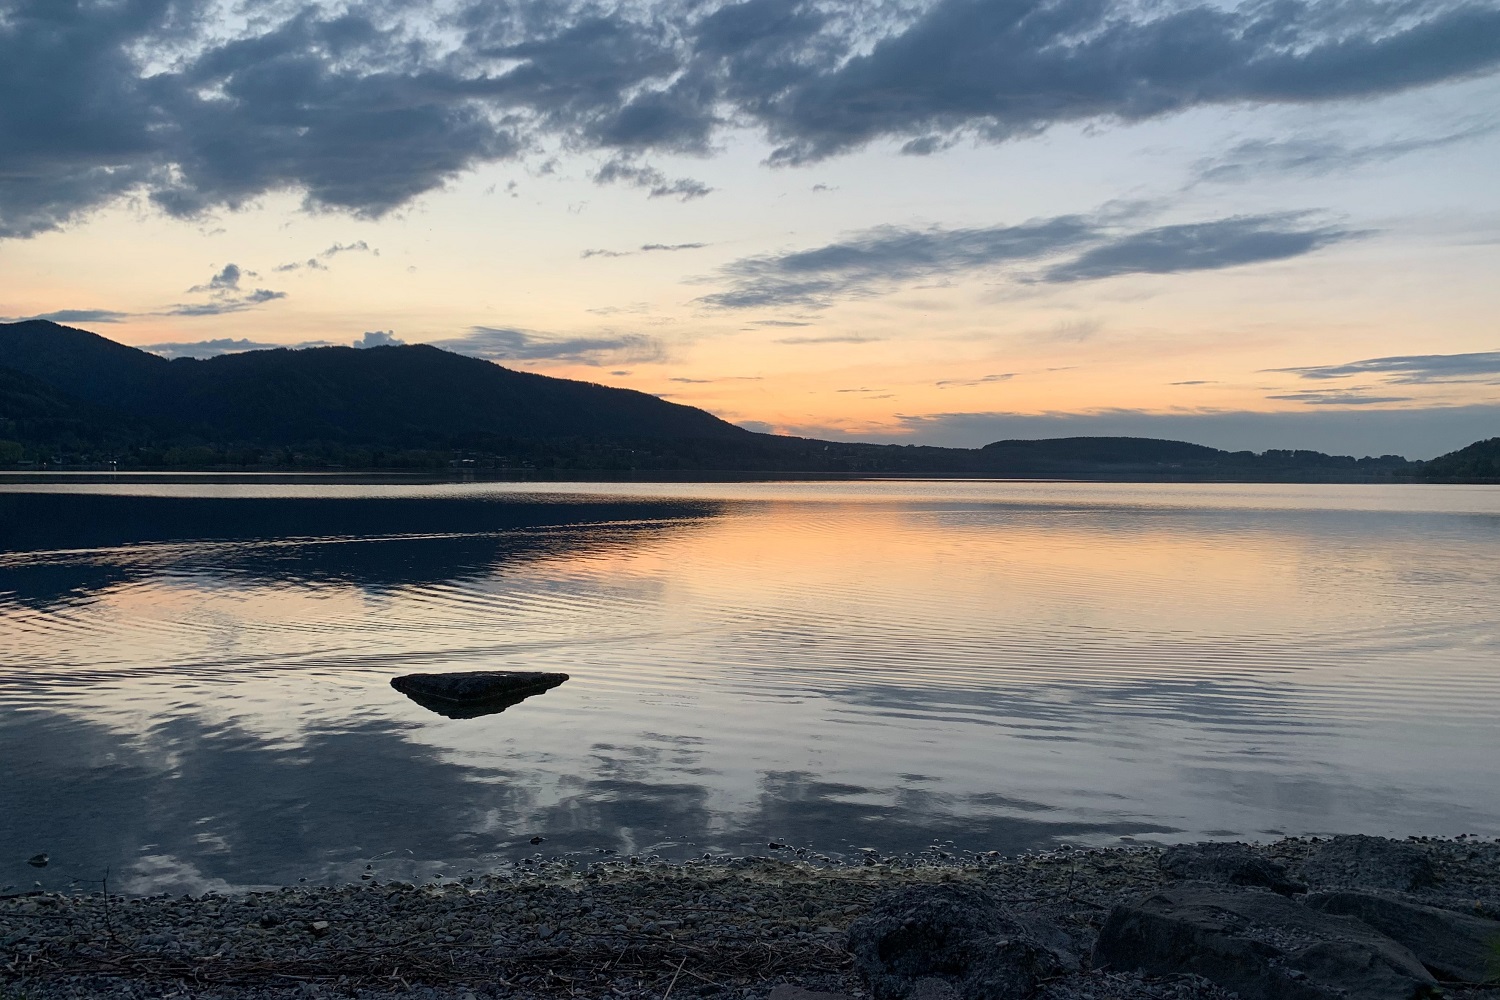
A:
(185, 806)
(366, 542)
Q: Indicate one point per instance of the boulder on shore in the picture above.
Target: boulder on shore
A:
(953, 940)
(1455, 947)
(1259, 945)
(1236, 864)
(1357, 860)
(471, 693)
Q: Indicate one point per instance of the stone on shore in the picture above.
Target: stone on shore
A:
(954, 940)
(1369, 863)
(1453, 946)
(1259, 945)
(470, 693)
(1236, 864)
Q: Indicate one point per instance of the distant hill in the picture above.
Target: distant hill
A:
(402, 397)
(1480, 460)
(72, 397)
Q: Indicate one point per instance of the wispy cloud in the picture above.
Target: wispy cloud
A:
(1337, 397)
(1322, 154)
(506, 344)
(66, 316)
(832, 338)
(1092, 247)
(316, 263)
(202, 349)
(225, 295)
(1202, 246)
(959, 383)
(1410, 369)
(643, 248)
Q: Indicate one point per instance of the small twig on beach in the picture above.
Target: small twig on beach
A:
(673, 983)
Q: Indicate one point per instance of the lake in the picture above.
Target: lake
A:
(195, 671)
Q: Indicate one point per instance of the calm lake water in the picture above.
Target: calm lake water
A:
(194, 675)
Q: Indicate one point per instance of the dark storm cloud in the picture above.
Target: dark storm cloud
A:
(1413, 369)
(887, 257)
(502, 344)
(364, 107)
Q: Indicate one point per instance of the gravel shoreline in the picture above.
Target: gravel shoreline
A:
(711, 929)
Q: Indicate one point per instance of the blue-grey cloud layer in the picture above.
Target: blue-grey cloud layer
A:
(366, 105)
(1417, 433)
(1410, 369)
(504, 344)
(1080, 247)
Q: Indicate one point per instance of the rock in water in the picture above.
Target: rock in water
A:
(1453, 946)
(1259, 945)
(472, 693)
(1232, 863)
(913, 941)
(1369, 863)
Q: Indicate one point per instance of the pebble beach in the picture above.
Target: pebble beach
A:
(713, 928)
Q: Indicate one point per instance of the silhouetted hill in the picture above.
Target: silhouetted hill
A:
(395, 397)
(1480, 460)
(70, 396)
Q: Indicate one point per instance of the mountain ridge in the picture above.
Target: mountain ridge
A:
(70, 392)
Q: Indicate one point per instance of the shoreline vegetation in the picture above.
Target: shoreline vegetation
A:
(73, 400)
(1053, 926)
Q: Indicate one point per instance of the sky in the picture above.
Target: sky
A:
(1258, 225)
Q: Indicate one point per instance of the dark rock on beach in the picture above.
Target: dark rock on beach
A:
(1369, 863)
(947, 939)
(1235, 864)
(472, 693)
(1455, 947)
(1260, 945)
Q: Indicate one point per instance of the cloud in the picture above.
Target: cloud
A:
(364, 107)
(1337, 397)
(224, 306)
(503, 344)
(316, 263)
(227, 280)
(213, 348)
(644, 248)
(961, 383)
(1202, 246)
(1195, 381)
(832, 338)
(656, 183)
(1418, 433)
(670, 247)
(1319, 155)
(66, 316)
(887, 257)
(225, 295)
(1411, 369)
(379, 338)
